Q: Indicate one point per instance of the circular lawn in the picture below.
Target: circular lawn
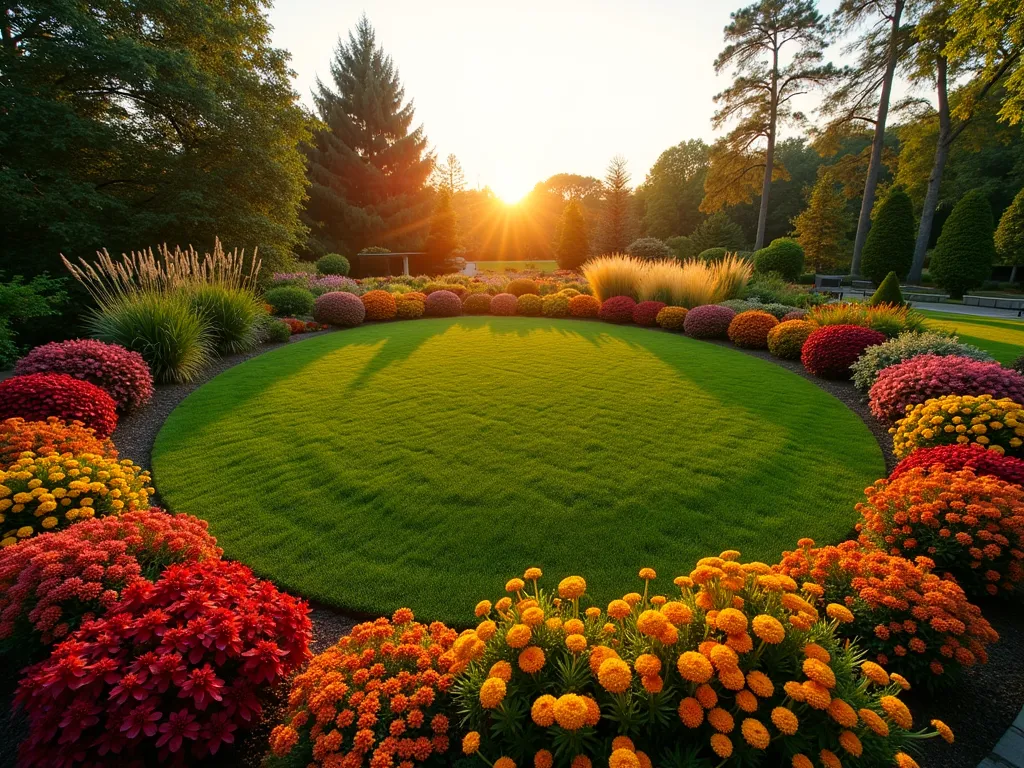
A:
(423, 463)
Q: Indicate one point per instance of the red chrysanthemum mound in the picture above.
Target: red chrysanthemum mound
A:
(37, 396)
(339, 308)
(646, 313)
(477, 304)
(503, 304)
(786, 340)
(971, 527)
(52, 583)
(122, 374)
(51, 436)
(911, 620)
(443, 304)
(390, 678)
(952, 458)
(927, 376)
(794, 314)
(672, 318)
(708, 321)
(169, 675)
(522, 286)
(379, 305)
(750, 329)
(832, 349)
(618, 309)
(584, 305)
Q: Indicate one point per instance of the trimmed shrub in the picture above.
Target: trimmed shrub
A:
(504, 304)
(522, 286)
(786, 340)
(569, 293)
(961, 419)
(410, 309)
(443, 304)
(794, 314)
(681, 247)
(555, 305)
(776, 310)
(709, 321)
(888, 292)
(278, 332)
(35, 489)
(648, 248)
(332, 264)
(646, 313)
(830, 351)
(750, 329)
(379, 305)
(618, 309)
(477, 304)
(413, 692)
(965, 251)
(51, 436)
(713, 254)
(458, 290)
(122, 374)
(411, 296)
(37, 396)
(584, 305)
(194, 692)
(339, 308)
(886, 319)
(952, 458)
(969, 526)
(289, 300)
(926, 376)
(529, 305)
(891, 239)
(907, 345)
(909, 619)
(672, 318)
(783, 256)
(53, 583)
(740, 305)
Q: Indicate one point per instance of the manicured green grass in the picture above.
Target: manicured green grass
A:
(1002, 338)
(424, 463)
(501, 266)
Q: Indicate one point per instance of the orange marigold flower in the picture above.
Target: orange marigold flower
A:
(623, 758)
(483, 608)
(645, 761)
(691, 713)
(571, 712)
(872, 720)
(903, 760)
(581, 761)
(677, 613)
(785, 721)
(721, 720)
(501, 669)
(647, 664)
(492, 692)
(706, 696)
(683, 582)
(815, 694)
(514, 585)
(694, 667)
(943, 730)
(900, 680)
(724, 657)
(830, 759)
(732, 679)
(651, 623)
(842, 713)
(518, 636)
(897, 712)
(532, 574)
(576, 643)
(543, 759)
(760, 684)
(571, 587)
(504, 604)
(647, 574)
(593, 711)
(815, 651)
(652, 683)
(574, 627)
(533, 616)
(614, 675)
(754, 733)
(531, 660)
(741, 643)
(592, 613)
(731, 621)
(503, 762)
(746, 701)
(619, 609)
(769, 629)
(721, 745)
(623, 742)
(470, 743)
(486, 630)
(543, 710)
(848, 740)
(597, 656)
(874, 673)
(802, 761)
(839, 612)
(608, 629)
(632, 598)
(554, 623)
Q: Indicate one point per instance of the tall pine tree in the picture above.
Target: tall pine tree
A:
(821, 227)
(368, 165)
(616, 227)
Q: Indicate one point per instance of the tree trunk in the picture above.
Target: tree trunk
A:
(1013, 274)
(931, 198)
(769, 156)
(868, 202)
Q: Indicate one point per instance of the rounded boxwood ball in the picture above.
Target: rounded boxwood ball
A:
(503, 304)
(443, 304)
(332, 264)
(339, 308)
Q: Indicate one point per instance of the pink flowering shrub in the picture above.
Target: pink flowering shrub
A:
(617, 309)
(953, 458)
(52, 583)
(122, 374)
(503, 304)
(37, 396)
(708, 321)
(832, 349)
(443, 303)
(339, 308)
(646, 313)
(169, 675)
(927, 376)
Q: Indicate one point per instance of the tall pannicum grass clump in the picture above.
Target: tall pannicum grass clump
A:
(614, 275)
(680, 284)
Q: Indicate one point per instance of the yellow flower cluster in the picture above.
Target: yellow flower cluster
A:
(46, 493)
(995, 424)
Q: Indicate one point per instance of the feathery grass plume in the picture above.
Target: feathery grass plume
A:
(661, 281)
(614, 275)
(693, 282)
(731, 275)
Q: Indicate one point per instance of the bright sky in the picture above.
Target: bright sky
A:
(522, 90)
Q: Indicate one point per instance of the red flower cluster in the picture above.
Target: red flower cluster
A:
(378, 697)
(52, 583)
(914, 622)
(300, 326)
(750, 329)
(617, 309)
(121, 373)
(832, 349)
(168, 675)
(37, 396)
(646, 313)
(51, 436)
(958, 456)
(971, 527)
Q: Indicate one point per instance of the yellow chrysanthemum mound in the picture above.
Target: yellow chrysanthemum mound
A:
(995, 424)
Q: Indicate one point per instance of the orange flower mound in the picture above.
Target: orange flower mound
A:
(386, 677)
(51, 436)
(584, 306)
(380, 305)
(750, 329)
(971, 527)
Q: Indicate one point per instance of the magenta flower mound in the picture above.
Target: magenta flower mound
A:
(708, 321)
(443, 304)
(646, 313)
(795, 314)
(37, 396)
(926, 376)
(477, 304)
(953, 458)
(123, 374)
(832, 349)
(617, 309)
(170, 675)
(503, 304)
(339, 308)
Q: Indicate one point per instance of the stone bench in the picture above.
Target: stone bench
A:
(925, 297)
(996, 302)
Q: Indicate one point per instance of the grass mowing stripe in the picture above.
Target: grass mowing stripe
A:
(1003, 338)
(424, 463)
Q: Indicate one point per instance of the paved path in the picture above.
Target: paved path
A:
(1009, 752)
(960, 309)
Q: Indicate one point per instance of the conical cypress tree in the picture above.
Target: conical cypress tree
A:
(963, 256)
(888, 292)
(573, 248)
(1010, 235)
(890, 243)
(368, 166)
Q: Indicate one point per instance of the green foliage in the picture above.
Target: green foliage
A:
(332, 264)
(20, 302)
(443, 237)
(681, 247)
(616, 226)
(648, 248)
(784, 257)
(718, 231)
(888, 291)
(232, 315)
(290, 300)
(1009, 237)
(713, 254)
(773, 289)
(573, 248)
(277, 331)
(964, 254)
(822, 226)
(890, 243)
(673, 189)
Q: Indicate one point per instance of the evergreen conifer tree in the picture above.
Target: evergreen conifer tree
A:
(888, 292)
(890, 243)
(573, 248)
(1010, 235)
(443, 237)
(963, 256)
(821, 227)
(616, 227)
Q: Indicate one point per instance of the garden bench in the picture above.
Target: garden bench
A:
(830, 285)
(995, 302)
(925, 297)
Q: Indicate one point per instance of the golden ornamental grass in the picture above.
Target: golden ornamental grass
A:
(682, 284)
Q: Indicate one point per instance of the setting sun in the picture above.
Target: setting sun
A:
(510, 187)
